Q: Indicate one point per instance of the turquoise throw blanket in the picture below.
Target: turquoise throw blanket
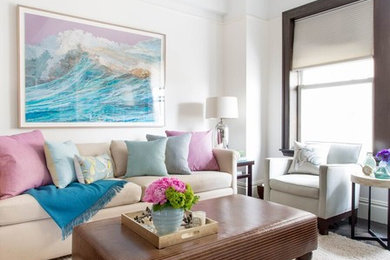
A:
(76, 203)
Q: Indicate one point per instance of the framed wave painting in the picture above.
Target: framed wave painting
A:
(75, 72)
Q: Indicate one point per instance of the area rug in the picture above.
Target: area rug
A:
(336, 247)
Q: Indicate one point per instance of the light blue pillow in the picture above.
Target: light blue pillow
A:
(146, 158)
(176, 153)
(59, 160)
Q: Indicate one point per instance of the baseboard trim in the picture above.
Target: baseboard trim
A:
(378, 210)
(242, 187)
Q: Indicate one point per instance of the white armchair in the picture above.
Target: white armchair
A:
(327, 195)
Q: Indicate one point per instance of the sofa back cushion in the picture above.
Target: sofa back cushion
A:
(22, 163)
(93, 149)
(119, 155)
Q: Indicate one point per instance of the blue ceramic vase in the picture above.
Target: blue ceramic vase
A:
(167, 220)
(383, 170)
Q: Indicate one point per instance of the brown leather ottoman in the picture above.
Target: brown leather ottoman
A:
(249, 228)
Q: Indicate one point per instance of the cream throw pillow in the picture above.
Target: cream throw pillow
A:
(308, 158)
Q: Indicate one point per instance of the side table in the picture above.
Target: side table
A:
(247, 174)
(362, 179)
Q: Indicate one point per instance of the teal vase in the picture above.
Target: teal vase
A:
(388, 166)
(167, 220)
(382, 172)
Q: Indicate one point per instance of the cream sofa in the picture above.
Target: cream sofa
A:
(28, 232)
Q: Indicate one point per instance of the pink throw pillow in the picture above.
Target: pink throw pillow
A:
(200, 156)
(22, 163)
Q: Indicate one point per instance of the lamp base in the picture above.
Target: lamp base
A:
(222, 135)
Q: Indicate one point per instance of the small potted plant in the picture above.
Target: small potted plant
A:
(170, 198)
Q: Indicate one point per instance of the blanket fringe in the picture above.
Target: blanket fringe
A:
(89, 213)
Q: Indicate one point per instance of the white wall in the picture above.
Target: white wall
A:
(245, 69)
(234, 79)
(193, 58)
(274, 105)
(256, 93)
(274, 123)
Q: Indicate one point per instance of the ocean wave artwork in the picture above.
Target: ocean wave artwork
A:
(80, 72)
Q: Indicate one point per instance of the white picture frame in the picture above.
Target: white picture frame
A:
(76, 72)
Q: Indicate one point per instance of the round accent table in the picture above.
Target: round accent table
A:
(360, 178)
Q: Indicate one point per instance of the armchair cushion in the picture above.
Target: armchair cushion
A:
(304, 185)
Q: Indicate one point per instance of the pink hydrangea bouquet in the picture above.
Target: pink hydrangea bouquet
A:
(170, 192)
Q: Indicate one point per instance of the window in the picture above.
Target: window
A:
(381, 91)
(335, 102)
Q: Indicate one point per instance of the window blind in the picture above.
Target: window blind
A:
(341, 34)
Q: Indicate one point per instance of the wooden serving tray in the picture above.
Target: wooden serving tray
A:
(181, 236)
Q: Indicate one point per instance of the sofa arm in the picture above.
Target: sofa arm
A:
(227, 161)
(336, 189)
(274, 167)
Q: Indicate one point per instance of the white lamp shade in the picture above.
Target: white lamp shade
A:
(221, 107)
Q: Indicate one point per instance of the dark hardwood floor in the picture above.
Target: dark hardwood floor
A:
(344, 228)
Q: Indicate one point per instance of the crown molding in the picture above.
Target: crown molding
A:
(194, 8)
(218, 10)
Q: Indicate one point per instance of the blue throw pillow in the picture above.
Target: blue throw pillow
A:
(176, 153)
(146, 158)
(59, 160)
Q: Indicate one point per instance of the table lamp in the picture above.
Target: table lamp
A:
(221, 107)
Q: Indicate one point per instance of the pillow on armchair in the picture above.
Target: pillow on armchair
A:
(308, 157)
(344, 153)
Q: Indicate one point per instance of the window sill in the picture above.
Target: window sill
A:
(287, 152)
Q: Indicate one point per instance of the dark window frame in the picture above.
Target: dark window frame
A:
(381, 127)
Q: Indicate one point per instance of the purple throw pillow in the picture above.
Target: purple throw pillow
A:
(22, 163)
(200, 156)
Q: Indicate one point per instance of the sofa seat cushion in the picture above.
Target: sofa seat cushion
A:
(305, 185)
(200, 181)
(131, 193)
(24, 208)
